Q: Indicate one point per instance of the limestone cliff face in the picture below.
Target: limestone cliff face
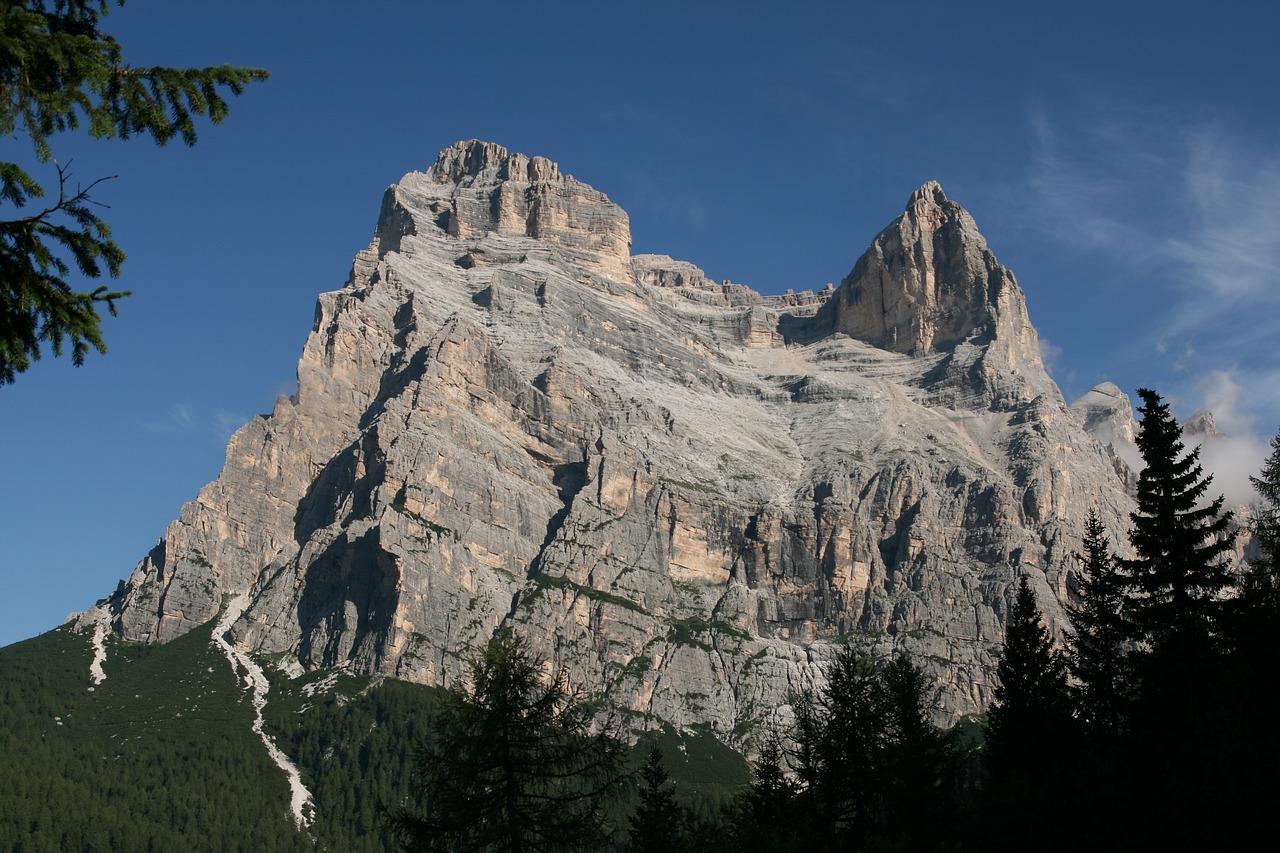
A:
(685, 492)
(1106, 413)
(929, 285)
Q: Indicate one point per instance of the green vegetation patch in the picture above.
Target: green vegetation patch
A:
(699, 486)
(695, 758)
(685, 632)
(545, 581)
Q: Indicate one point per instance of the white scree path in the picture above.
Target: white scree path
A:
(301, 803)
(101, 624)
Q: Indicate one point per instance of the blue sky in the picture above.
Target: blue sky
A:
(1121, 159)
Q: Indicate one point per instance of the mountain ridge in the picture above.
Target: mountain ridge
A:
(685, 492)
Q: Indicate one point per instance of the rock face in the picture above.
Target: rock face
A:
(685, 492)
(1106, 413)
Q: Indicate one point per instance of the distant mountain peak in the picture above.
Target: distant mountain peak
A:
(1202, 424)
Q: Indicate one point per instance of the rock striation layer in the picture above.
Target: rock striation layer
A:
(687, 493)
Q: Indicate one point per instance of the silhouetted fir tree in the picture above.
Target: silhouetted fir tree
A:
(657, 824)
(871, 771)
(1260, 584)
(1098, 636)
(1249, 677)
(1179, 586)
(922, 768)
(850, 735)
(512, 765)
(1177, 577)
(59, 71)
(1032, 698)
(1098, 647)
(812, 816)
(1029, 732)
(767, 813)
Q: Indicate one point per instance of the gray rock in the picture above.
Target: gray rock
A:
(687, 493)
(1106, 413)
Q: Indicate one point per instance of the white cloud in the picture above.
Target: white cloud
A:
(181, 414)
(1051, 356)
(1239, 451)
(1230, 250)
(1186, 215)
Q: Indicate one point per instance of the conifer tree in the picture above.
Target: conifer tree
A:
(656, 823)
(60, 72)
(1099, 634)
(851, 736)
(872, 770)
(768, 807)
(1029, 731)
(1249, 676)
(1177, 578)
(1179, 600)
(922, 765)
(1262, 581)
(512, 765)
(1032, 700)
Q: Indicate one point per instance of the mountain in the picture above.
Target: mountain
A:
(685, 492)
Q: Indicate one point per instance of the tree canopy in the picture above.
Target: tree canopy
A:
(512, 764)
(1032, 701)
(1267, 518)
(1178, 574)
(1099, 633)
(59, 72)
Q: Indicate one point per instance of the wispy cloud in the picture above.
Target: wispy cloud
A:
(1230, 250)
(1188, 216)
(1051, 356)
(185, 418)
(225, 424)
(1200, 206)
(179, 417)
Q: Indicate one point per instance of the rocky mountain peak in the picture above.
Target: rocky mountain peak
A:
(687, 493)
(477, 190)
(473, 159)
(1106, 414)
(929, 202)
(927, 287)
(1202, 425)
(927, 283)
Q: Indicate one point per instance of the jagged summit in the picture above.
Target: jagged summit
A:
(1202, 424)
(1107, 412)
(930, 194)
(929, 283)
(476, 159)
(685, 492)
(476, 189)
